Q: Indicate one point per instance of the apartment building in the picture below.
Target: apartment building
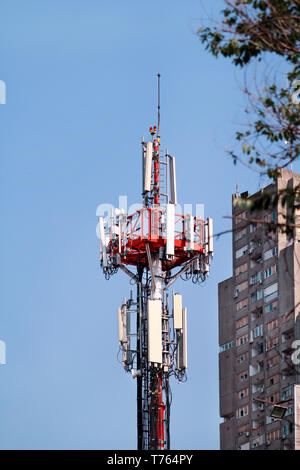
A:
(259, 322)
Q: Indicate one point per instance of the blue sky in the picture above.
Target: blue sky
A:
(81, 92)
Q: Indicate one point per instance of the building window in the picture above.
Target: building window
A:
(269, 253)
(256, 278)
(243, 376)
(272, 343)
(287, 392)
(257, 295)
(241, 269)
(242, 340)
(242, 429)
(241, 252)
(240, 234)
(271, 307)
(287, 429)
(245, 446)
(244, 393)
(258, 349)
(272, 362)
(271, 292)
(274, 398)
(258, 331)
(270, 420)
(241, 322)
(242, 286)
(270, 271)
(242, 358)
(271, 325)
(242, 304)
(273, 436)
(271, 297)
(241, 412)
(273, 380)
(226, 346)
(289, 411)
(240, 217)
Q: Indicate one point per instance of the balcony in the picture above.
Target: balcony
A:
(273, 352)
(242, 385)
(270, 371)
(256, 256)
(286, 343)
(259, 413)
(258, 377)
(258, 388)
(241, 277)
(256, 315)
(288, 368)
(272, 426)
(255, 369)
(288, 327)
(273, 445)
(257, 353)
(242, 348)
(272, 389)
(242, 331)
(240, 242)
(240, 313)
(258, 439)
(257, 426)
(272, 314)
(242, 366)
(243, 421)
(243, 438)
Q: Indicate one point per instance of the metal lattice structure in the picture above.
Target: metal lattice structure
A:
(162, 246)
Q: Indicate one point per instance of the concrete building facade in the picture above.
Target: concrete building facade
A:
(259, 320)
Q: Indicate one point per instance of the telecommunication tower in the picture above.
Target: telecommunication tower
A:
(163, 246)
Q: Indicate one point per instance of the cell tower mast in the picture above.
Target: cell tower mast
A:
(163, 246)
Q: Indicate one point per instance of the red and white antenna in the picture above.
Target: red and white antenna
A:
(162, 245)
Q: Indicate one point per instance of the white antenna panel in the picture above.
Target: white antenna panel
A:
(127, 330)
(206, 238)
(189, 231)
(210, 236)
(143, 164)
(148, 167)
(122, 316)
(173, 195)
(182, 343)
(154, 308)
(102, 242)
(123, 231)
(170, 216)
(121, 328)
(177, 311)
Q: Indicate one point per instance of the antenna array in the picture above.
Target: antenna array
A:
(162, 246)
